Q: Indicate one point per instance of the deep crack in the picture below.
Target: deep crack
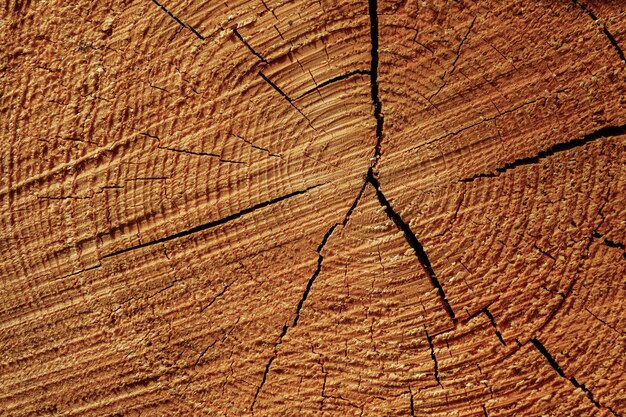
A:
(333, 80)
(378, 108)
(493, 323)
(213, 223)
(414, 243)
(247, 45)
(307, 290)
(605, 132)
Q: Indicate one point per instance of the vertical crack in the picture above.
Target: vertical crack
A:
(433, 356)
(414, 243)
(378, 108)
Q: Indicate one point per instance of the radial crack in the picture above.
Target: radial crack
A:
(307, 290)
(250, 48)
(608, 34)
(213, 223)
(180, 22)
(604, 132)
(433, 356)
(286, 327)
(285, 96)
(493, 323)
(413, 242)
(542, 349)
(378, 108)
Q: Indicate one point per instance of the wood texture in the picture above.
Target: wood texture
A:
(308, 208)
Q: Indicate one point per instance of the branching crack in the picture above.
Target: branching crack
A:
(433, 356)
(493, 323)
(180, 22)
(413, 242)
(213, 223)
(188, 152)
(270, 153)
(608, 34)
(285, 96)
(333, 80)
(604, 132)
(541, 348)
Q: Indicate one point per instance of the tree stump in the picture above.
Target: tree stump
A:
(313, 208)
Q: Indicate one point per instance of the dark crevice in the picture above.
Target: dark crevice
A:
(250, 48)
(213, 223)
(541, 348)
(493, 323)
(413, 242)
(333, 80)
(547, 355)
(285, 96)
(320, 260)
(610, 243)
(608, 34)
(275, 87)
(433, 356)
(604, 132)
(355, 203)
(305, 294)
(485, 411)
(180, 22)
(378, 108)
(412, 402)
(267, 370)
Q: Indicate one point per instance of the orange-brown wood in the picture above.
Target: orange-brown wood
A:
(328, 208)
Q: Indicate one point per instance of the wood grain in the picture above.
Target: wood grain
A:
(291, 208)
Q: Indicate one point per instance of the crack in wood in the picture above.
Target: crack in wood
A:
(605, 30)
(415, 244)
(213, 223)
(605, 132)
(285, 96)
(433, 356)
(378, 107)
(247, 45)
(493, 323)
(180, 22)
(553, 363)
(333, 80)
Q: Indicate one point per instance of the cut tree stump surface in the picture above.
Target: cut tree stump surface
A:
(313, 208)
